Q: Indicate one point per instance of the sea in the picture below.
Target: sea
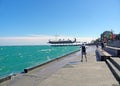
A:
(14, 59)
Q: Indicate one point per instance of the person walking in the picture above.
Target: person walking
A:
(96, 45)
(102, 45)
(83, 52)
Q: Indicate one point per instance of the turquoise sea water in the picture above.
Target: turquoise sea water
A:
(14, 59)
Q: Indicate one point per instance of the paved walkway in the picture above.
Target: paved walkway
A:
(68, 72)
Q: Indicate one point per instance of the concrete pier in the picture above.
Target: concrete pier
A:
(68, 71)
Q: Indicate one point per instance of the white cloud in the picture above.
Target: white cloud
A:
(37, 39)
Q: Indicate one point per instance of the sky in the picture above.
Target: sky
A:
(25, 22)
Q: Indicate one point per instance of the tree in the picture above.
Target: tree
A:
(106, 35)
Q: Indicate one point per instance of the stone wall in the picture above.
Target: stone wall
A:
(114, 43)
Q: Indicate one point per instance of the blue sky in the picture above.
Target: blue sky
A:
(74, 18)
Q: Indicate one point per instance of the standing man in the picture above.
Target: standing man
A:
(83, 52)
(102, 45)
(97, 44)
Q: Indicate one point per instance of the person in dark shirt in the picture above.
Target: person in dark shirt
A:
(102, 45)
(97, 45)
(83, 52)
